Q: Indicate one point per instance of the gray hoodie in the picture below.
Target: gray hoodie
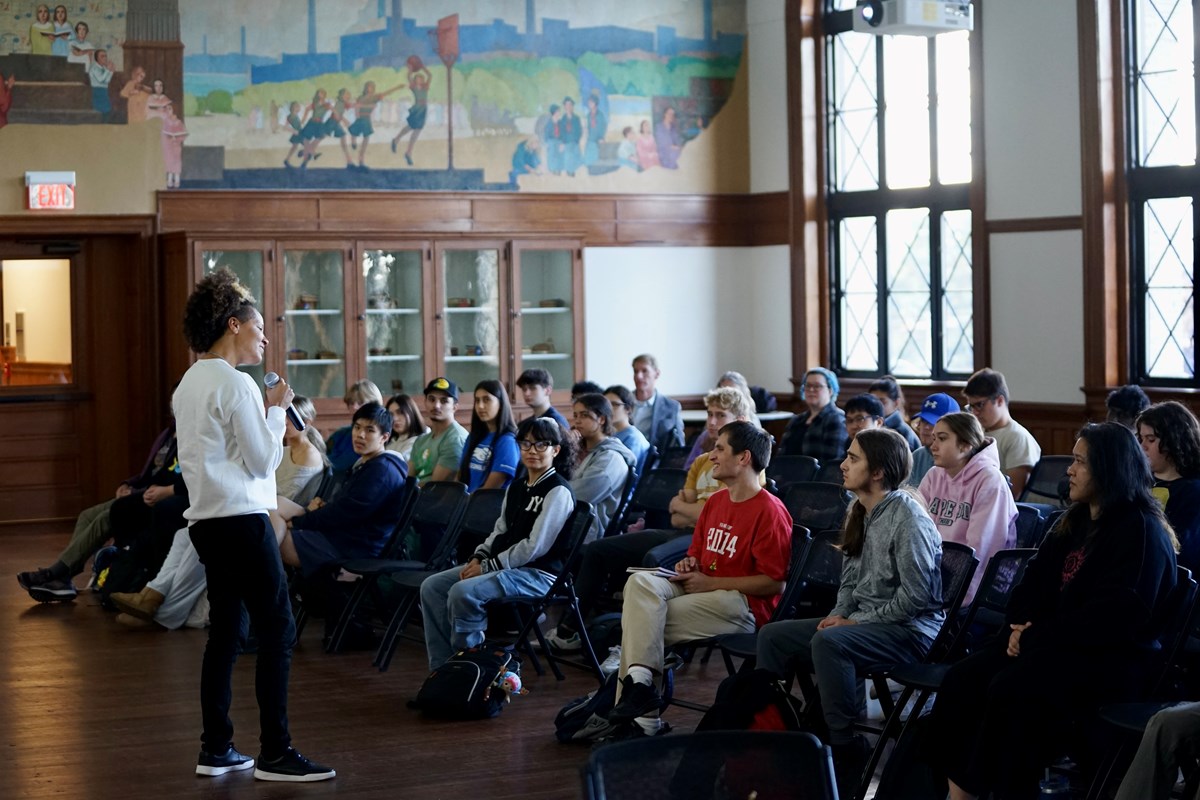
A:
(599, 480)
(897, 579)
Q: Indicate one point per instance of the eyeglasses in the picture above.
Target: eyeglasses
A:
(979, 405)
(814, 387)
(859, 419)
(541, 446)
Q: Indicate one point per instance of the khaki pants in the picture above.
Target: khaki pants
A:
(658, 613)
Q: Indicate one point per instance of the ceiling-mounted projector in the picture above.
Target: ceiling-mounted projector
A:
(913, 17)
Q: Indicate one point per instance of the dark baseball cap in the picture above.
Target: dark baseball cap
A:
(444, 386)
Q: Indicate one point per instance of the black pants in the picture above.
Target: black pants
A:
(605, 562)
(242, 564)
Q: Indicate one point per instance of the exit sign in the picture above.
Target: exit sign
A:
(51, 197)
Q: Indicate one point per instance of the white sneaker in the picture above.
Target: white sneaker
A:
(613, 663)
(565, 644)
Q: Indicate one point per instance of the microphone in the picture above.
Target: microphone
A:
(270, 380)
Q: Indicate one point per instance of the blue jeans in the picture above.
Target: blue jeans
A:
(242, 566)
(453, 609)
(838, 656)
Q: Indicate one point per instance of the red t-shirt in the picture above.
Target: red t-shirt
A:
(737, 540)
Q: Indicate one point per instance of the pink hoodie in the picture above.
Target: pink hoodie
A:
(974, 508)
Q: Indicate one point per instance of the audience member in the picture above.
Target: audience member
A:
(934, 408)
(1083, 621)
(820, 432)
(986, 395)
(490, 457)
(1170, 438)
(729, 581)
(521, 557)
(437, 453)
(704, 442)
(723, 407)
(340, 445)
(1125, 403)
(654, 414)
(764, 401)
(966, 492)
(863, 412)
(601, 475)
(407, 425)
(536, 386)
(888, 607)
(585, 387)
(160, 477)
(895, 411)
(1168, 744)
(633, 439)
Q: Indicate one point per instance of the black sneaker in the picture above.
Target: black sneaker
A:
(849, 760)
(229, 761)
(54, 591)
(28, 580)
(291, 767)
(637, 700)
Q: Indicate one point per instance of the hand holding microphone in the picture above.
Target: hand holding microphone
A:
(283, 397)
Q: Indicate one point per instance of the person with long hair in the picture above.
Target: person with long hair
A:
(933, 408)
(600, 477)
(228, 450)
(407, 424)
(889, 393)
(967, 493)
(624, 430)
(1082, 630)
(1170, 438)
(522, 555)
(491, 456)
(888, 608)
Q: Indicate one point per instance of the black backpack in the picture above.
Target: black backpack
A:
(585, 719)
(470, 685)
(754, 700)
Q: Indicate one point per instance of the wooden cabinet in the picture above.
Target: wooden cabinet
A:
(398, 312)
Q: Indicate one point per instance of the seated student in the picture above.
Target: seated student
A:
(585, 387)
(601, 475)
(134, 502)
(407, 425)
(1170, 438)
(729, 582)
(172, 597)
(340, 445)
(654, 414)
(536, 386)
(704, 442)
(934, 408)
(437, 453)
(966, 492)
(1083, 620)
(490, 455)
(894, 409)
(764, 401)
(522, 556)
(604, 562)
(624, 430)
(358, 521)
(1168, 744)
(1125, 403)
(820, 432)
(888, 607)
(863, 412)
(986, 395)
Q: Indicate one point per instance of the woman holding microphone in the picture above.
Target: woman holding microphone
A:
(228, 451)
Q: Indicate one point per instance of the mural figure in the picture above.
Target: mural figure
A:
(666, 136)
(597, 128)
(136, 95)
(342, 105)
(80, 46)
(296, 124)
(627, 155)
(6, 85)
(41, 32)
(157, 103)
(526, 158)
(316, 128)
(100, 74)
(61, 45)
(364, 108)
(419, 79)
(173, 134)
(552, 137)
(570, 134)
(647, 148)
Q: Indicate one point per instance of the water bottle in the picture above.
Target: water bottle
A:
(1055, 786)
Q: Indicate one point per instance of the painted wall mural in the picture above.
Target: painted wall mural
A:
(504, 95)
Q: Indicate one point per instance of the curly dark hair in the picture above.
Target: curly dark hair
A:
(539, 429)
(1178, 435)
(216, 299)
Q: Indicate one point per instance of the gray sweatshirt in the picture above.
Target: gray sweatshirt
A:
(897, 579)
(600, 479)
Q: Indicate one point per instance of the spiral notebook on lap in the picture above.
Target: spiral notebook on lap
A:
(662, 572)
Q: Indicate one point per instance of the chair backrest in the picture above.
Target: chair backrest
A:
(821, 575)
(618, 515)
(482, 511)
(1031, 526)
(653, 495)
(408, 501)
(1044, 480)
(958, 567)
(986, 615)
(436, 518)
(786, 470)
(817, 506)
(672, 458)
(763, 764)
(314, 488)
(830, 472)
(576, 530)
(789, 600)
(1182, 622)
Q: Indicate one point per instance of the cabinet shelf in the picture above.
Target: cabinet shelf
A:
(547, 310)
(387, 312)
(313, 312)
(492, 359)
(373, 359)
(313, 362)
(468, 309)
(544, 356)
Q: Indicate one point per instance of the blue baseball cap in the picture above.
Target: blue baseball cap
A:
(937, 406)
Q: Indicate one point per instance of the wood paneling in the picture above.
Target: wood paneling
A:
(42, 473)
(1034, 224)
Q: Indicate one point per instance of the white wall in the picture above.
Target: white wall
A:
(768, 96)
(700, 311)
(42, 289)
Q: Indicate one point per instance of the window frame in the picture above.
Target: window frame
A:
(20, 251)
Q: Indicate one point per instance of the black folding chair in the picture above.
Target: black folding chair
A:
(830, 472)
(477, 520)
(769, 765)
(438, 504)
(672, 458)
(786, 470)
(652, 497)
(618, 515)
(817, 506)
(1044, 479)
(1031, 526)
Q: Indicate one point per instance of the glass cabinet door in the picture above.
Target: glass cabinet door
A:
(547, 324)
(248, 266)
(471, 293)
(394, 303)
(315, 332)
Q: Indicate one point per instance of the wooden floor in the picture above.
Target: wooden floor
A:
(95, 710)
